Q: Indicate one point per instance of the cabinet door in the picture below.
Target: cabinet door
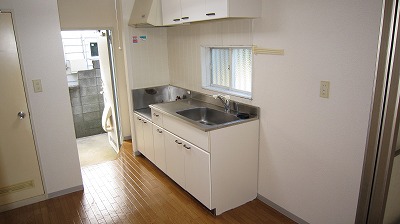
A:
(197, 173)
(159, 148)
(148, 140)
(215, 9)
(171, 12)
(193, 10)
(174, 158)
(139, 134)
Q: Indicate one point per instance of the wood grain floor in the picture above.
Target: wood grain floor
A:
(132, 190)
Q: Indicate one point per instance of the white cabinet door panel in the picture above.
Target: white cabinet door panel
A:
(159, 148)
(197, 173)
(215, 9)
(171, 12)
(148, 140)
(175, 158)
(192, 10)
(139, 134)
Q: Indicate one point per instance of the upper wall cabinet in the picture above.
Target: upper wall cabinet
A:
(182, 11)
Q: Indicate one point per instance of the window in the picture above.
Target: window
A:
(228, 70)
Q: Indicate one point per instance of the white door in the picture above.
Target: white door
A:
(110, 115)
(20, 176)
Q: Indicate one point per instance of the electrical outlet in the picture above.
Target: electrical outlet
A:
(324, 89)
(37, 86)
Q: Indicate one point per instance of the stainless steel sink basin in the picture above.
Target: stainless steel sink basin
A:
(207, 116)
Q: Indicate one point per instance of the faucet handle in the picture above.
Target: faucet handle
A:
(225, 97)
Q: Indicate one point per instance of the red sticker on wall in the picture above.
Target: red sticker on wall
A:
(134, 39)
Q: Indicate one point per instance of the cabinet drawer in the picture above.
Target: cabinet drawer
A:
(156, 117)
(187, 132)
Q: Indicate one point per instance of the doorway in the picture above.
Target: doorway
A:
(93, 94)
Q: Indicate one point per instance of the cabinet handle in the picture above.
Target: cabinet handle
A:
(158, 130)
(210, 14)
(176, 20)
(186, 17)
(156, 114)
(177, 142)
(187, 147)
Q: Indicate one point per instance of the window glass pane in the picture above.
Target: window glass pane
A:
(219, 67)
(241, 69)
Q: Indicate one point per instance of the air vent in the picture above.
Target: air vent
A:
(17, 187)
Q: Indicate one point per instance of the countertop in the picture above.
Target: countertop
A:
(170, 109)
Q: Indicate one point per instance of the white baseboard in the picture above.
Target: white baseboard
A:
(39, 198)
(66, 191)
(22, 203)
(281, 210)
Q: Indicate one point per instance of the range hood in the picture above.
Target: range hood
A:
(146, 13)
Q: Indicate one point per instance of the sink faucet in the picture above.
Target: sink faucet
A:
(225, 101)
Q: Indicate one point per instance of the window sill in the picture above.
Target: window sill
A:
(229, 92)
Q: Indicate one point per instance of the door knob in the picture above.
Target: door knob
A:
(21, 115)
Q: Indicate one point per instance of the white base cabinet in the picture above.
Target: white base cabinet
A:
(189, 166)
(219, 167)
(144, 137)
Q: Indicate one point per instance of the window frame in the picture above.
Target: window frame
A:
(206, 72)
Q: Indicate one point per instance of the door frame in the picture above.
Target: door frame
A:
(109, 31)
(384, 121)
(114, 85)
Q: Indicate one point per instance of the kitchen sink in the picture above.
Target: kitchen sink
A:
(207, 116)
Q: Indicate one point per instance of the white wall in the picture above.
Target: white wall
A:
(100, 14)
(146, 61)
(149, 58)
(311, 149)
(39, 40)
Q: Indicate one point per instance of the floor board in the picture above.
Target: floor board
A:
(132, 190)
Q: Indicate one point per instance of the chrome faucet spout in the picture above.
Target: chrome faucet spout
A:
(225, 101)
